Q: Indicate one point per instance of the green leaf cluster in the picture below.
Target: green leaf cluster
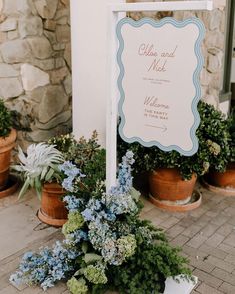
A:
(5, 120)
(86, 154)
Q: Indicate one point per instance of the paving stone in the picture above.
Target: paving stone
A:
(170, 222)
(192, 230)
(227, 248)
(203, 221)
(208, 278)
(227, 288)
(230, 240)
(175, 231)
(208, 230)
(213, 251)
(206, 289)
(225, 229)
(230, 258)
(201, 264)
(198, 212)
(220, 220)
(215, 240)
(179, 240)
(9, 290)
(225, 265)
(197, 241)
(223, 275)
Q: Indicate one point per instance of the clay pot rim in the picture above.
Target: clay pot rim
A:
(56, 187)
(4, 141)
(175, 169)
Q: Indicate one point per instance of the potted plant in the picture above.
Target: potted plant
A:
(7, 143)
(224, 180)
(172, 176)
(106, 246)
(38, 169)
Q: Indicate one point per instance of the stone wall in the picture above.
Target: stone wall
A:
(35, 65)
(213, 45)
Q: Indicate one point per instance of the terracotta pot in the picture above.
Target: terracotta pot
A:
(225, 179)
(53, 211)
(167, 184)
(6, 145)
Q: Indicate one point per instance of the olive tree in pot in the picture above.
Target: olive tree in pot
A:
(172, 176)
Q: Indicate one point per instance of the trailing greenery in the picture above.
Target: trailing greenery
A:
(5, 120)
(151, 264)
(213, 152)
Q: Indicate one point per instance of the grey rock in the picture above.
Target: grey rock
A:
(63, 33)
(30, 26)
(15, 51)
(46, 64)
(40, 47)
(57, 120)
(7, 70)
(10, 87)
(10, 24)
(46, 8)
(52, 103)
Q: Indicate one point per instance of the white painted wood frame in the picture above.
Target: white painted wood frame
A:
(115, 13)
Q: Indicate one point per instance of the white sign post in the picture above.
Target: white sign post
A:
(171, 59)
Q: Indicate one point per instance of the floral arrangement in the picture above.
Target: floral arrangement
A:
(106, 245)
(214, 148)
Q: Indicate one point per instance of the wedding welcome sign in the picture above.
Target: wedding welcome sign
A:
(160, 64)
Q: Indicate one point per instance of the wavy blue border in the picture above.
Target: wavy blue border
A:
(196, 79)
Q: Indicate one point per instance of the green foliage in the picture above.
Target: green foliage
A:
(152, 263)
(5, 120)
(213, 152)
(86, 154)
(232, 136)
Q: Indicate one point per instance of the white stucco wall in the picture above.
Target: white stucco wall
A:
(89, 52)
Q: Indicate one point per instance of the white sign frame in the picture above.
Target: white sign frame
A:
(152, 120)
(115, 13)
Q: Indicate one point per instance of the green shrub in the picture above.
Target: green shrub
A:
(5, 120)
(213, 152)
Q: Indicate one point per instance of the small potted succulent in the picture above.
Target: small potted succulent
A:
(172, 176)
(7, 143)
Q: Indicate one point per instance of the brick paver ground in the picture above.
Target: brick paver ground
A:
(206, 235)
